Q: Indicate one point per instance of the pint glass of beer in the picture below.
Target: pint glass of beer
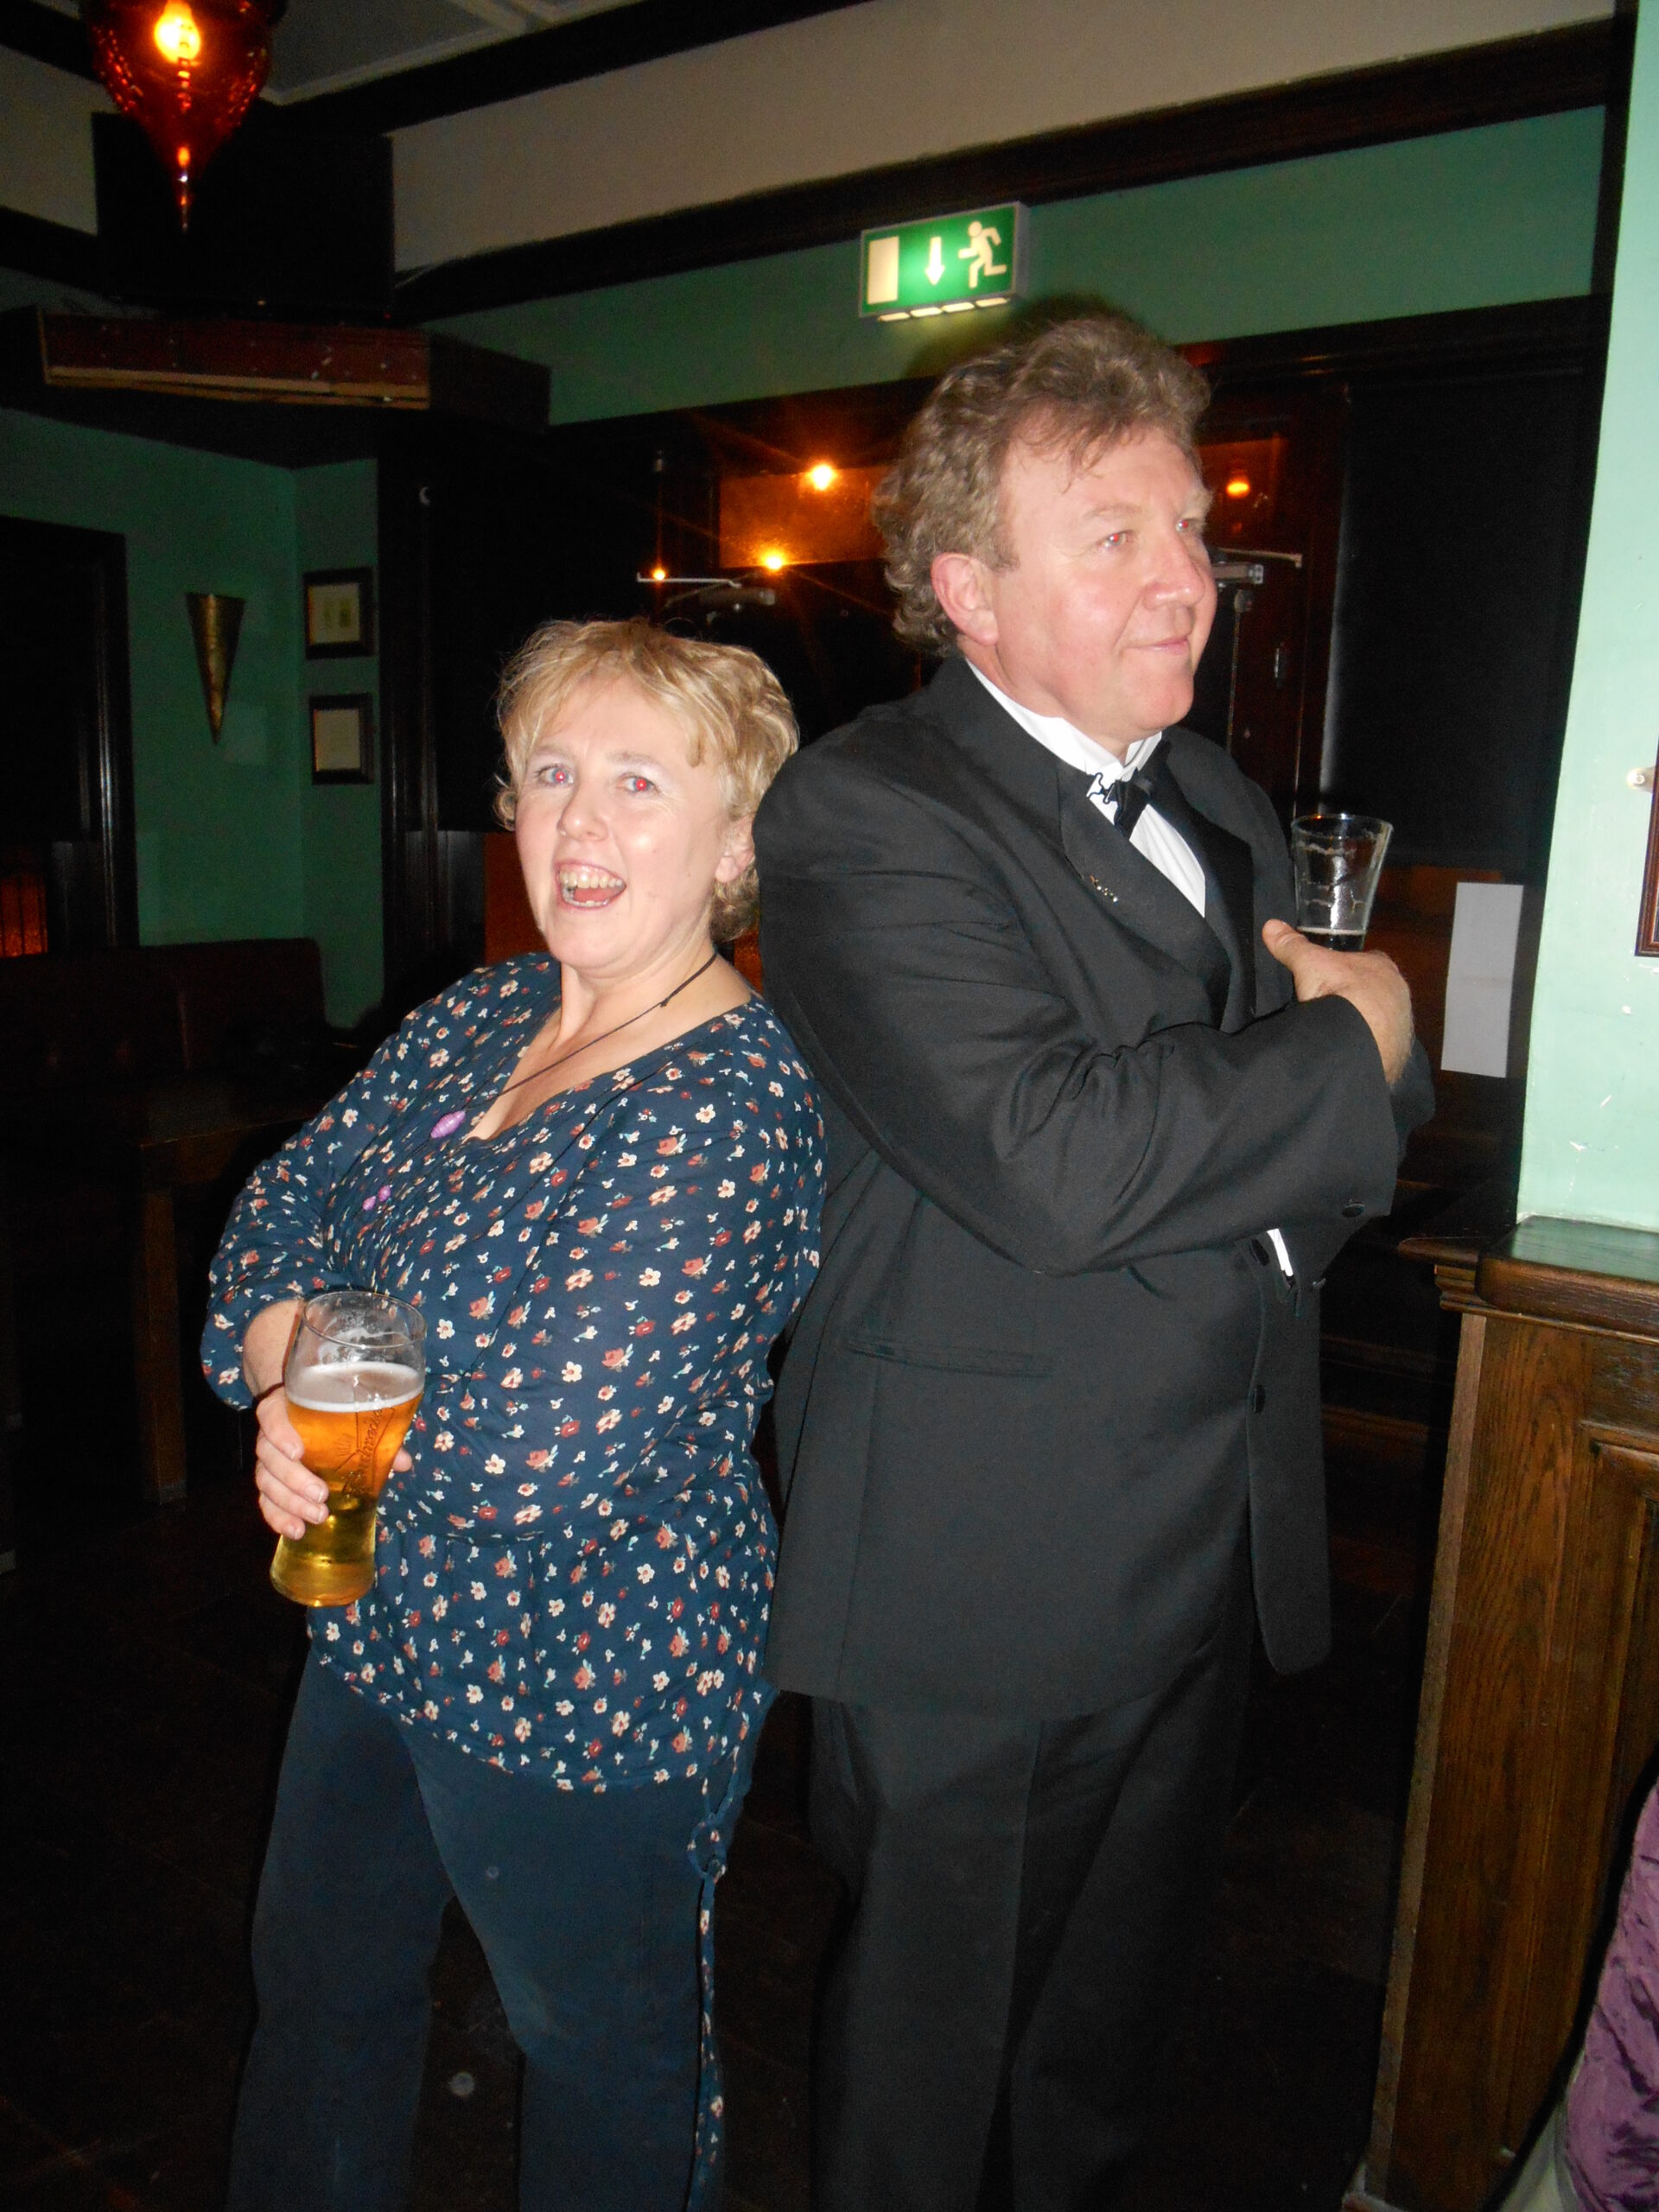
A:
(354, 1376)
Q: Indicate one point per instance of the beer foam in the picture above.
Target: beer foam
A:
(363, 1385)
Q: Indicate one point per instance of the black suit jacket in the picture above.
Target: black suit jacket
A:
(1050, 1366)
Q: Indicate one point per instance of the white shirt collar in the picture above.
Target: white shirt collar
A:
(1066, 742)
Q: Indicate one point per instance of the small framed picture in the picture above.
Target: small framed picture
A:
(342, 739)
(1647, 927)
(339, 613)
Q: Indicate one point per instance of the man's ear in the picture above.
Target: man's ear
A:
(962, 588)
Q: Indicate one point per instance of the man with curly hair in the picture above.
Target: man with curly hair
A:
(1097, 1118)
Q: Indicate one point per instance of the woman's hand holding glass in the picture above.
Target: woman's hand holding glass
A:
(290, 1497)
(331, 1432)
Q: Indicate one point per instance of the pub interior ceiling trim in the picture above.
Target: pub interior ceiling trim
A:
(407, 62)
(1546, 73)
(1584, 66)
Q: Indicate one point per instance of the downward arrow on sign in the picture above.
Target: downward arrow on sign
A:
(935, 268)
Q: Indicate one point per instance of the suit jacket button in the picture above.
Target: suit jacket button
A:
(1353, 1210)
(1258, 1398)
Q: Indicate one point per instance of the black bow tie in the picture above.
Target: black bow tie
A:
(1125, 800)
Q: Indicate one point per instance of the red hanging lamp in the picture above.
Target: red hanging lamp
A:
(186, 70)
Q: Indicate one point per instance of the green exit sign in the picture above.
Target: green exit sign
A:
(948, 265)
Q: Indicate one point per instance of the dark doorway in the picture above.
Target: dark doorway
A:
(1466, 513)
(67, 877)
(478, 534)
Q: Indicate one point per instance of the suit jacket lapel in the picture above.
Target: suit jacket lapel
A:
(1136, 893)
(1125, 883)
(1229, 893)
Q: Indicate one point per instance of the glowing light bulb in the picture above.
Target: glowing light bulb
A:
(821, 476)
(774, 559)
(1238, 487)
(177, 38)
(659, 575)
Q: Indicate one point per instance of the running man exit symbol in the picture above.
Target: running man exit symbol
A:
(944, 265)
(980, 253)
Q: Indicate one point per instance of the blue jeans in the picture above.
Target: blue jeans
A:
(585, 1906)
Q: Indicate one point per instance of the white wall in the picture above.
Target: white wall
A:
(46, 141)
(889, 81)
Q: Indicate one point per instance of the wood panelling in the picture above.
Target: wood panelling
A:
(1575, 1271)
(1540, 1710)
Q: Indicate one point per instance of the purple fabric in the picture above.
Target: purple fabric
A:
(1611, 2137)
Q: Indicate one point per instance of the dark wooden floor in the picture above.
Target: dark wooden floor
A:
(145, 1670)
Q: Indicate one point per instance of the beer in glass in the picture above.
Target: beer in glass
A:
(353, 1379)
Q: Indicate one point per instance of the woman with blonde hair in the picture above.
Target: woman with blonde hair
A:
(596, 1172)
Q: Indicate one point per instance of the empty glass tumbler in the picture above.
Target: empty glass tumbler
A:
(1337, 860)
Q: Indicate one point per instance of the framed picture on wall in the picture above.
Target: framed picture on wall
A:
(1647, 928)
(339, 613)
(342, 739)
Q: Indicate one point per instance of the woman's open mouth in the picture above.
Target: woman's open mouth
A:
(586, 885)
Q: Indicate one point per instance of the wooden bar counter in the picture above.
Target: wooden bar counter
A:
(1540, 1703)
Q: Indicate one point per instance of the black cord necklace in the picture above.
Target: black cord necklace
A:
(575, 1051)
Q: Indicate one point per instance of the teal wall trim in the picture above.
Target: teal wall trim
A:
(1469, 218)
(1591, 1146)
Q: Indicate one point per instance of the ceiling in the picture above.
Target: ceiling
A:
(322, 47)
(325, 46)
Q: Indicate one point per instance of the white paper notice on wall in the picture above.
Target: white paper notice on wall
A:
(1480, 980)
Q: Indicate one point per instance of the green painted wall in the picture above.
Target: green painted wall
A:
(232, 841)
(1470, 218)
(335, 510)
(217, 826)
(1591, 1147)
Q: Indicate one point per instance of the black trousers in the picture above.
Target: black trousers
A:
(586, 1905)
(1022, 1897)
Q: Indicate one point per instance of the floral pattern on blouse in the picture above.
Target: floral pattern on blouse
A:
(573, 1580)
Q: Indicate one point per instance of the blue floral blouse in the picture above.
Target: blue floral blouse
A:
(574, 1578)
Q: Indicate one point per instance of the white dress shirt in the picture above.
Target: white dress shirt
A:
(1153, 837)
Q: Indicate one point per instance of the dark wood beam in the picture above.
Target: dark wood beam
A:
(563, 54)
(1584, 66)
(54, 251)
(45, 36)
(1533, 334)
(264, 365)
